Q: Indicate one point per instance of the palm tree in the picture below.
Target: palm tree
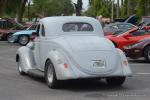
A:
(2, 3)
(21, 10)
(78, 7)
(118, 8)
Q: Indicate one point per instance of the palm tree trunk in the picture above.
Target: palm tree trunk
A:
(78, 7)
(2, 5)
(118, 8)
(21, 10)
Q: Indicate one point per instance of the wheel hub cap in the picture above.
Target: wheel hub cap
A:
(149, 54)
(50, 75)
(24, 40)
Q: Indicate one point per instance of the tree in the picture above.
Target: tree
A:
(124, 8)
(52, 7)
(66, 7)
(99, 7)
(147, 7)
(21, 10)
(78, 7)
(140, 7)
(9, 5)
(118, 9)
(2, 6)
(131, 7)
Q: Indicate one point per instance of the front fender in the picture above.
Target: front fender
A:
(58, 59)
(124, 62)
(26, 55)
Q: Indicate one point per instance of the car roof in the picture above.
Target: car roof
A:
(50, 23)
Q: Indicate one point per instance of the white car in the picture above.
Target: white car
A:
(72, 47)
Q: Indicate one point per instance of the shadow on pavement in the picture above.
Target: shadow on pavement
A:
(142, 61)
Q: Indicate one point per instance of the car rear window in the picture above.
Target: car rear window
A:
(77, 27)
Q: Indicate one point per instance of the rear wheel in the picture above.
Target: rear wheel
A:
(115, 81)
(23, 39)
(9, 38)
(50, 75)
(147, 54)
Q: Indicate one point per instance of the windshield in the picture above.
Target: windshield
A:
(123, 28)
(145, 19)
(32, 27)
(117, 29)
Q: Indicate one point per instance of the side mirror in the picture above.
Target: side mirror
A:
(33, 36)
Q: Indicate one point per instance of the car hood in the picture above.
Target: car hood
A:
(28, 32)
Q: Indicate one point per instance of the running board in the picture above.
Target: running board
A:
(36, 72)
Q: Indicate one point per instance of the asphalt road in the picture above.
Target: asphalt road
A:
(16, 87)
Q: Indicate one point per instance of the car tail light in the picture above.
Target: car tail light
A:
(65, 65)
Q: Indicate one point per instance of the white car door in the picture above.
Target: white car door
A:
(44, 47)
(36, 48)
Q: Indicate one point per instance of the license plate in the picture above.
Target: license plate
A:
(99, 63)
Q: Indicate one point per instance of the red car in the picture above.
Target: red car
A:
(8, 27)
(130, 37)
(139, 49)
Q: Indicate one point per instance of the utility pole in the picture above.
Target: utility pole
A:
(28, 3)
(112, 10)
(118, 8)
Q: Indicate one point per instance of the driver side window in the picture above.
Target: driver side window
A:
(43, 31)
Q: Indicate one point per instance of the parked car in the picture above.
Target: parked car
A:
(75, 49)
(131, 19)
(139, 49)
(117, 28)
(130, 37)
(8, 27)
(22, 37)
(145, 19)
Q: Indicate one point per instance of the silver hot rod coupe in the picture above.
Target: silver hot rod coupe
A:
(68, 47)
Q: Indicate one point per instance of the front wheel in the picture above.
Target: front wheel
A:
(9, 38)
(23, 40)
(20, 70)
(147, 54)
(50, 75)
(115, 81)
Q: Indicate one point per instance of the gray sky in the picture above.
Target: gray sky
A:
(85, 3)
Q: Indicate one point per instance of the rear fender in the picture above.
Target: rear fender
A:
(58, 60)
(124, 63)
(26, 55)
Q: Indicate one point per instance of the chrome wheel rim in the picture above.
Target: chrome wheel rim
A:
(23, 40)
(50, 74)
(149, 54)
(10, 39)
